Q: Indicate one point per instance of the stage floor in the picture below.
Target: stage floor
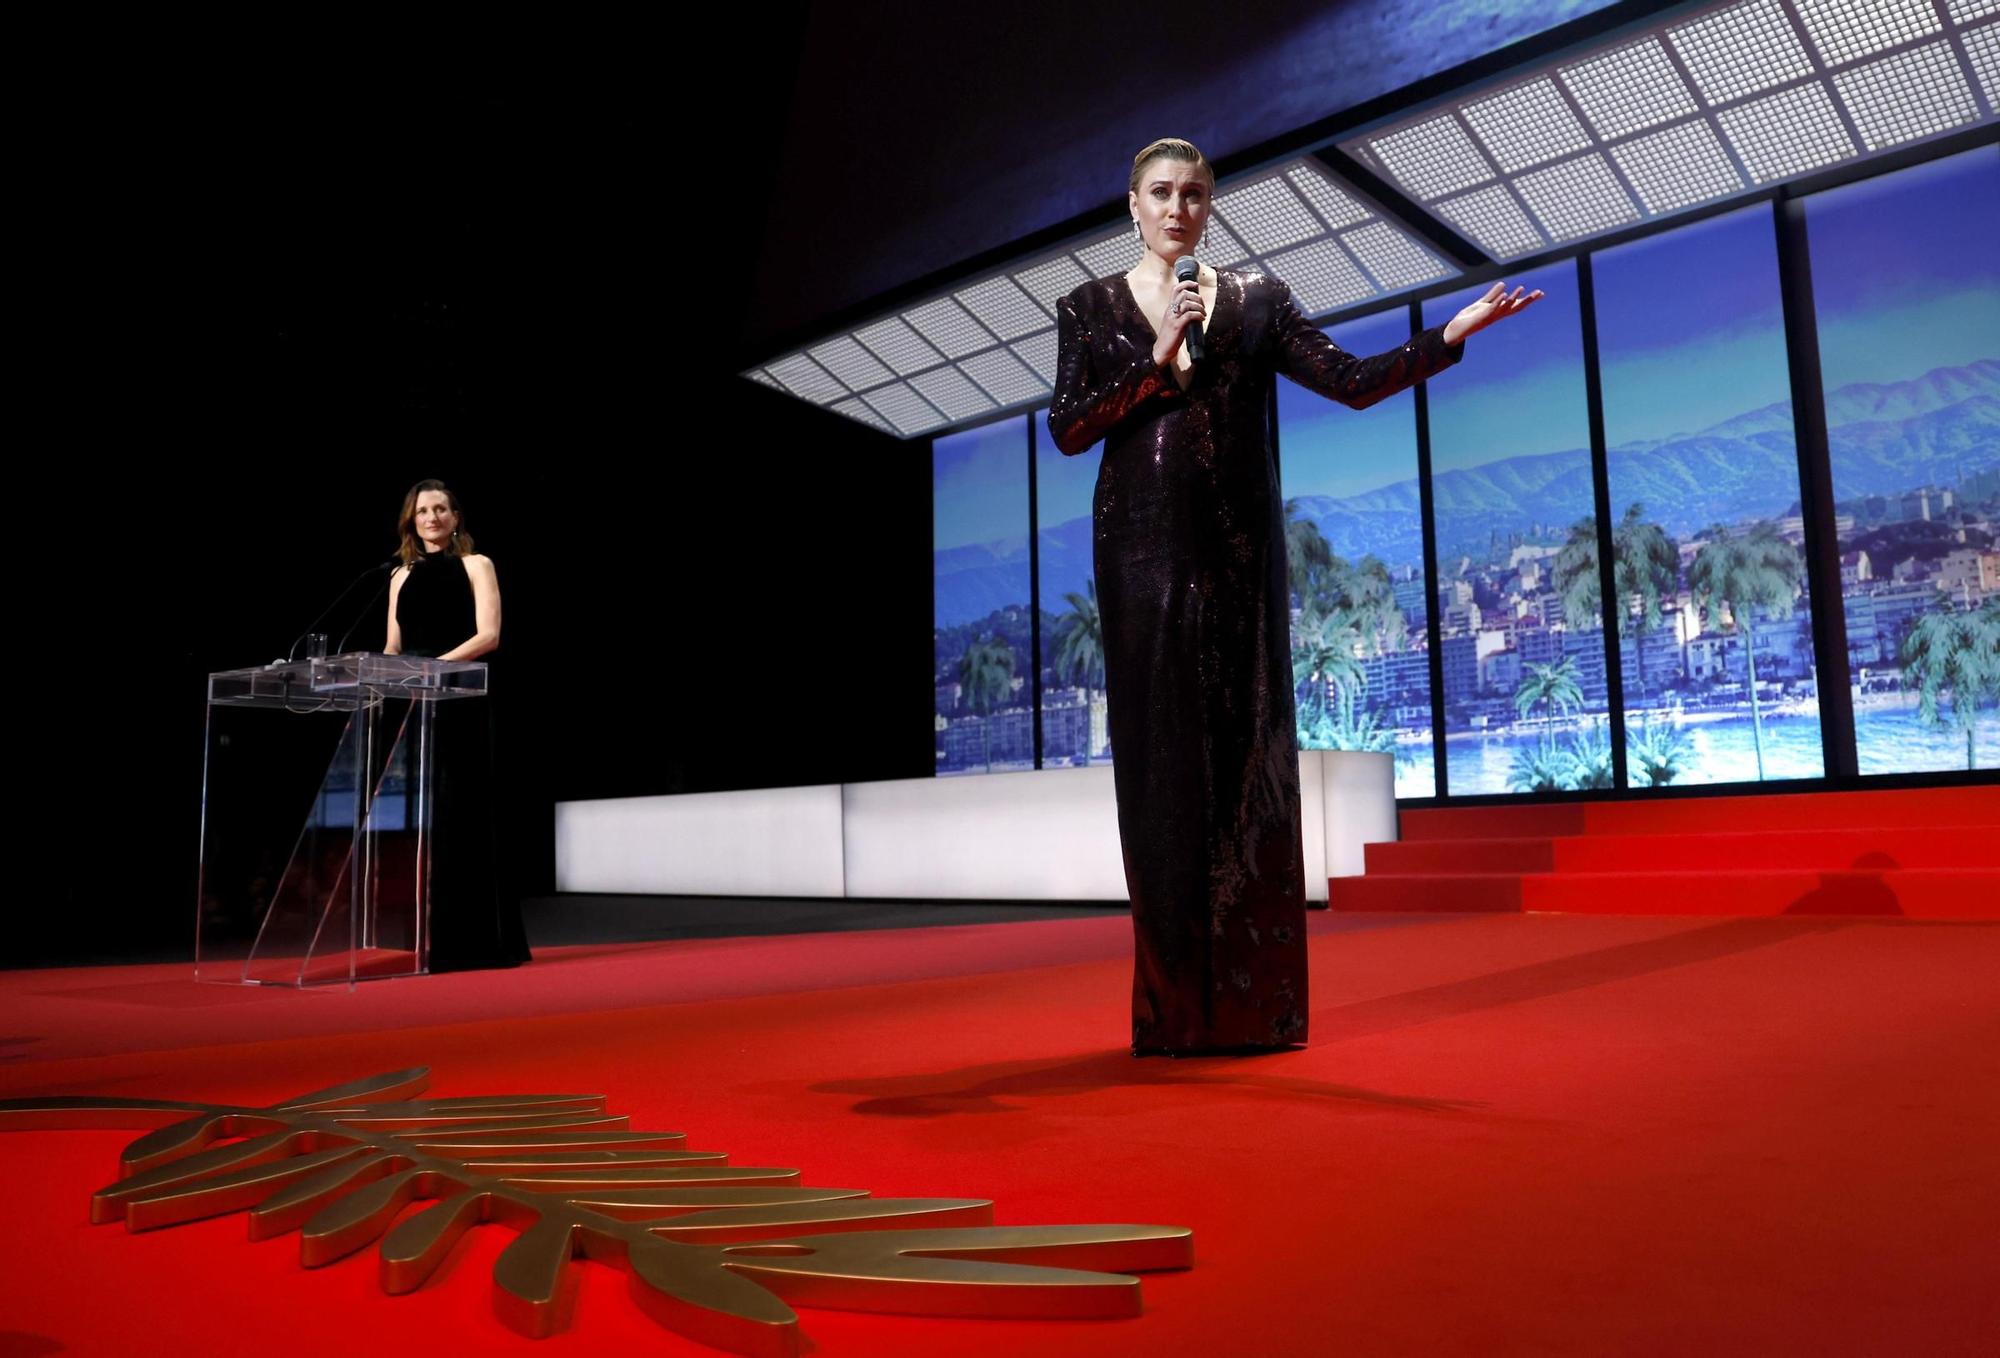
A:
(1510, 1134)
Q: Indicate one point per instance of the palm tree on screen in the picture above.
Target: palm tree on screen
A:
(1322, 658)
(1365, 591)
(1574, 575)
(1079, 639)
(1308, 556)
(1645, 568)
(986, 675)
(1757, 569)
(1552, 687)
(1590, 757)
(1656, 750)
(1955, 658)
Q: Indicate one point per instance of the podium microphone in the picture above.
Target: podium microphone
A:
(292, 653)
(1184, 269)
(340, 647)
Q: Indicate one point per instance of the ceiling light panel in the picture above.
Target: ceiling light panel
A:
(950, 327)
(1677, 167)
(1629, 90)
(1787, 133)
(1321, 276)
(908, 413)
(1267, 215)
(1394, 259)
(1002, 307)
(1493, 219)
(856, 368)
(1709, 104)
(1846, 30)
(1577, 198)
(1335, 206)
(1741, 49)
(857, 409)
(1220, 246)
(1110, 254)
(806, 379)
(1713, 103)
(990, 345)
(1432, 158)
(1528, 125)
(1982, 48)
(1050, 280)
(1912, 94)
(952, 392)
(1039, 353)
(1004, 378)
(902, 348)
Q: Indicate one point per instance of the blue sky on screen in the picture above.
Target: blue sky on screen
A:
(1328, 449)
(979, 485)
(1519, 389)
(1691, 327)
(1064, 488)
(1063, 485)
(1905, 276)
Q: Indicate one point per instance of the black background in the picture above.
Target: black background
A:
(261, 308)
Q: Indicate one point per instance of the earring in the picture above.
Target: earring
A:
(1139, 234)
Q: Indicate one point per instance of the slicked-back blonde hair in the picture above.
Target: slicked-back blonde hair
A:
(1171, 148)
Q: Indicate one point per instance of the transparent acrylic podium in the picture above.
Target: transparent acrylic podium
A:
(353, 900)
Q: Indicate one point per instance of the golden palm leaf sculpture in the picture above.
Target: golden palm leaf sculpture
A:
(717, 1252)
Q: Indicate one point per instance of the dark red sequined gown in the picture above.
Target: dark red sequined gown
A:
(1195, 607)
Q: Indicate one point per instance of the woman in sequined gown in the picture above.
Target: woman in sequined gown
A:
(1195, 606)
(445, 602)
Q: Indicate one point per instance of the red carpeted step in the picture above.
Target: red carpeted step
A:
(1460, 856)
(1926, 808)
(1919, 893)
(1923, 852)
(1880, 847)
(1492, 822)
(1426, 892)
(1874, 847)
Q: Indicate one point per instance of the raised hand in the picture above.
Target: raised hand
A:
(1497, 304)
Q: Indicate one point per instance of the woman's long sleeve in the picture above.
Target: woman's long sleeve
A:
(1086, 408)
(1305, 354)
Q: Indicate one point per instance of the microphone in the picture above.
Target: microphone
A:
(340, 647)
(390, 564)
(1184, 269)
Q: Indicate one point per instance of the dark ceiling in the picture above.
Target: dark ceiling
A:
(916, 137)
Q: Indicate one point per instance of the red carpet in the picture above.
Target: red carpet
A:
(1931, 853)
(1511, 1134)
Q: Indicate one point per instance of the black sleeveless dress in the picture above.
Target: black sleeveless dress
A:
(475, 914)
(1189, 538)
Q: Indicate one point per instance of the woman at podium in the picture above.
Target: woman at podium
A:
(444, 602)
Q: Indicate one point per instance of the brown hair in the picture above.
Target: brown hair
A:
(1170, 148)
(411, 547)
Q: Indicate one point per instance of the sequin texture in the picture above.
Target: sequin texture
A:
(1188, 533)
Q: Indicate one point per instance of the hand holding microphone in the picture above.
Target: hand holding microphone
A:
(1185, 312)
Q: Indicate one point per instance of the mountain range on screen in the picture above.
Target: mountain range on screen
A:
(1885, 439)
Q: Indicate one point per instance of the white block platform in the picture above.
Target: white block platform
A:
(1046, 836)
